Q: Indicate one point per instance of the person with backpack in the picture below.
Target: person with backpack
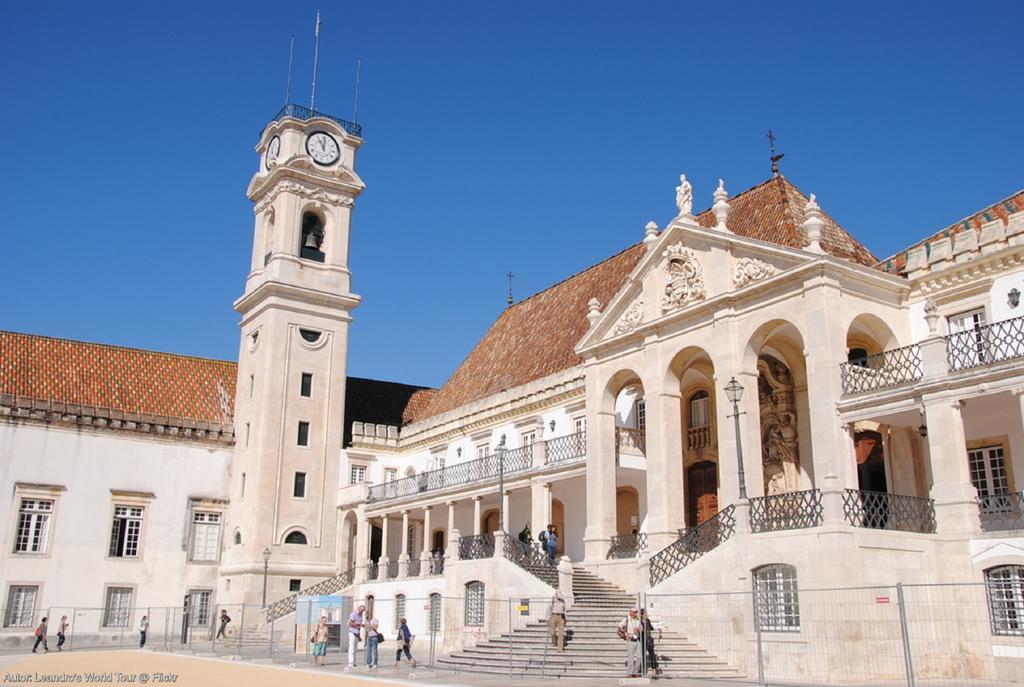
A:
(373, 639)
(404, 639)
(549, 539)
(629, 630)
(41, 636)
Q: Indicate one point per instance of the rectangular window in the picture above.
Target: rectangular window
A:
(252, 385)
(118, 607)
(988, 471)
(247, 435)
(21, 605)
(303, 434)
(306, 389)
(357, 474)
(205, 536)
(641, 414)
(126, 533)
(777, 600)
(33, 526)
(529, 438)
(580, 425)
(390, 474)
(243, 486)
(969, 337)
(199, 607)
(474, 615)
(1005, 590)
(483, 450)
(294, 585)
(299, 488)
(700, 410)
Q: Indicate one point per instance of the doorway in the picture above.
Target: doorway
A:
(702, 488)
(627, 511)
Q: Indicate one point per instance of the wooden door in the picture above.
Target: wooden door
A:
(702, 488)
(627, 511)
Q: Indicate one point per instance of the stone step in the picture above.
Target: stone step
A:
(583, 671)
(575, 651)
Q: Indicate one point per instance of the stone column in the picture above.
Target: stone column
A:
(665, 509)
(403, 557)
(956, 499)
(362, 548)
(600, 483)
(507, 524)
(476, 514)
(540, 507)
(382, 563)
(426, 554)
(449, 551)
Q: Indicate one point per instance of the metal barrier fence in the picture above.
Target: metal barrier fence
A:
(774, 633)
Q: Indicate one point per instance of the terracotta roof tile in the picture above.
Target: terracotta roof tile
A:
(536, 337)
(1001, 211)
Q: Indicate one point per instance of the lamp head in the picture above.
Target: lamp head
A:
(266, 554)
(734, 391)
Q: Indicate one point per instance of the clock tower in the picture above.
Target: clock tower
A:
(290, 400)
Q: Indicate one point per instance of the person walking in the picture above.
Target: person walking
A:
(404, 639)
(647, 632)
(40, 636)
(224, 620)
(62, 631)
(556, 622)
(319, 640)
(551, 541)
(355, 632)
(629, 630)
(143, 629)
(373, 639)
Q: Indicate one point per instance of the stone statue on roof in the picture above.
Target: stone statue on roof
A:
(684, 197)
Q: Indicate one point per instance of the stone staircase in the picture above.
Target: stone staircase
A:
(283, 607)
(592, 649)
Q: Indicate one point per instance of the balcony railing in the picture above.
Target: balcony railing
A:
(436, 566)
(882, 370)
(413, 567)
(795, 510)
(1000, 512)
(372, 571)
(692, 544)
(630, 440)
(474, 546)
(561, 450)
(392, 570)
(531, 557)
(304, 113)
(992, 343)
(628, 545)
(883, 511)
(698, 437)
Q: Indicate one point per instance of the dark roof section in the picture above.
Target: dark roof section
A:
(382, 403)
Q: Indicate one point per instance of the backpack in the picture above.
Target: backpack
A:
(621, 632)
(543, 536)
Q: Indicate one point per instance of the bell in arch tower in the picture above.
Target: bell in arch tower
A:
(295, 314)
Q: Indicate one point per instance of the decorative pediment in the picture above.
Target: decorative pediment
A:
(684, 278)
(630, 319)
(749, 270)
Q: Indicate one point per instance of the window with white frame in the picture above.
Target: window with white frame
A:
(205, 536)
(33, 526)
(1004, 586)
(435, 612)
(390, 474)
(700, 410)
(357, 474)
(474, 604)
(21, 605)
(528, 438)
(199, 607)
(971, 340)
(483, 450)
(776, 599)
(399, 609)
(118, 607)
(126, 532)
(580, 424)
(410, 539)
(988, 471)
(640, 407)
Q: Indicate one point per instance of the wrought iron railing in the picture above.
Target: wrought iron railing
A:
(629, 440)
(795, 510)
(413, 568)
(436, 566)
(628, 545)
(567, 448)
(882, 370)
(693, 544)
(392, 570)
(474, 546)
(301, 112)
(284, 606)
(1001, 512)
(372, 571)
(985, 345)
(531, 557)
(883, 511)
(698, 437)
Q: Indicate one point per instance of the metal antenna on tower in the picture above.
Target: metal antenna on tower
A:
(288, 88)
(316, 57)
(774, 158)
(355, 105)
(510, 299)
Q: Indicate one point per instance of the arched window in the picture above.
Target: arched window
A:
(312, 237)
(1004, 586)
(474, 604)
(776, 599)
(295, 537)
(435, 612)
(399, 609)
(238, 537)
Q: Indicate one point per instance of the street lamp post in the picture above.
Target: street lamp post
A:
(501, 484)
(734, 392)
(266, 563)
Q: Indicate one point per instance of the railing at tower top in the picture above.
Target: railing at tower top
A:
(1000, 512)
(692, 544)
(883, 511)
(284, 606)
(560, 450)
(304, 113)
(882, 371)
(992, 343)
(795, 510)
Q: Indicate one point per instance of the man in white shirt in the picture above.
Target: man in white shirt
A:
(143, 629)
(355, 629)
(629, 630)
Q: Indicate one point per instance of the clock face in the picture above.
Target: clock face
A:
(273, 150)
(322, 147)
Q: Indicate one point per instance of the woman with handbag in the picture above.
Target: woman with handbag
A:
(319, 640)
(373, 639)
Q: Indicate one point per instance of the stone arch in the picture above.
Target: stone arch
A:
(295, 531)
(349, 539)
(870, 334)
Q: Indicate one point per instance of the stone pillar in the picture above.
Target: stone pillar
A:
(565, 581)
(383, 561)
(476, 514)
(362, 548)
(956, 505)
(403, 557)
(539, 450)
(453, 546)
(832, 493)
(600, 482)
(426, 528)
(665, 509)
(507, 520)
(449, 552)
(540, 507)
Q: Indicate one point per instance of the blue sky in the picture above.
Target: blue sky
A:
(532, 137)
